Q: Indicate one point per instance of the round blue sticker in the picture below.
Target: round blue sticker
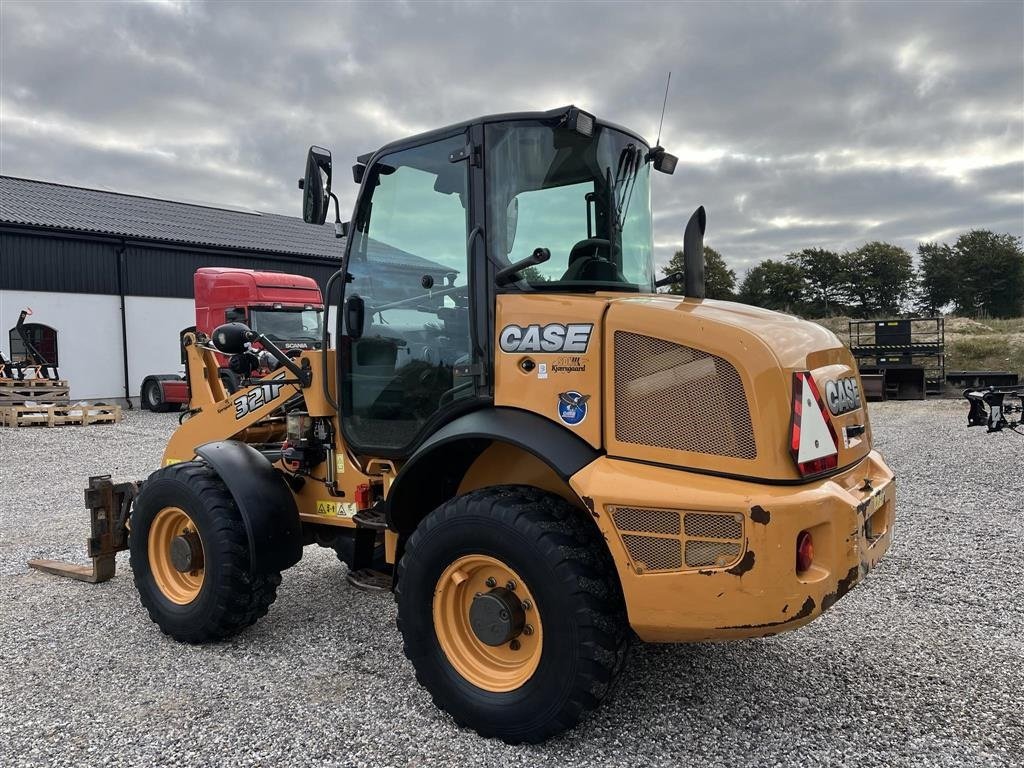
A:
(572, 407)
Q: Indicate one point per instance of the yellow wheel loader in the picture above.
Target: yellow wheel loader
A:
(541, 456)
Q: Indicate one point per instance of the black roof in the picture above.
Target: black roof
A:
(436, 133)
(32, 203)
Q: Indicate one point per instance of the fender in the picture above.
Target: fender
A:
(433, 472)
(267, 506)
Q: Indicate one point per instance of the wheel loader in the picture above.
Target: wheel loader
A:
(543, 458)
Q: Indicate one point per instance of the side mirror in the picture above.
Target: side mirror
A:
(316, 186)
(693, 254)
(511, 223)
(231, 338)
(355, 316)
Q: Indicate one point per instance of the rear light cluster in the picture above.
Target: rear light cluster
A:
(812, 439)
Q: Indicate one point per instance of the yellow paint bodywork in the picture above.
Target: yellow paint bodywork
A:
(761, 592)
(216, 417)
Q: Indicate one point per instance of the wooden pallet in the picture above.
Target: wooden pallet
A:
(58, 415)
(17, 391)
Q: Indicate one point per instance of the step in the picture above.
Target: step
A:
(370, 580)
(374, 518)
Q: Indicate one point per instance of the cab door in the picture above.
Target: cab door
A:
(409, 269)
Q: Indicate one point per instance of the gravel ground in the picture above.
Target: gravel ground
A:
(921, 665)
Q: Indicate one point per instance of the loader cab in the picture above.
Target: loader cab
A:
(439, 221)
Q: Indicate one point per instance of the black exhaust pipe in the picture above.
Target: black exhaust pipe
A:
(693, 254)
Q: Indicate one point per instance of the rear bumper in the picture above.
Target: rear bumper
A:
(754, 590)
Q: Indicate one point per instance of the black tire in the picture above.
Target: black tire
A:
(230, 380)
(152, 397)
(229, 599)
(566, 566)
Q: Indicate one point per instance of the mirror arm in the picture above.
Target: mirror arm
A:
(339, 228)
(670, 279)
(504, 276)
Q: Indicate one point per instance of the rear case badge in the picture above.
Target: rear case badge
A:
(572, 407)
(842, 396)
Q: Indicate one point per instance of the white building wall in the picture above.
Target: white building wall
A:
(153, 326)
(89, 336)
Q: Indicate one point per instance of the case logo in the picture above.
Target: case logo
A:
(842, 395)
(553, 337)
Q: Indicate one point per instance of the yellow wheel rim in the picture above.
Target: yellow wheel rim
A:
(177, 586)
(498, 668)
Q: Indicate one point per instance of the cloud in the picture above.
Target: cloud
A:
(797, 124)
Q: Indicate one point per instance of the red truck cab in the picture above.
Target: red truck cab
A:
(288, 309)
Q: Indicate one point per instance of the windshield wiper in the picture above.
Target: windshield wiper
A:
(628, 169)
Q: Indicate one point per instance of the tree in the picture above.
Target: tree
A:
(532, 275)
(719, 280)
(773, 285)
(993, 272)
(825, 279)
(981, 274)
(881, 278)
(941, 279)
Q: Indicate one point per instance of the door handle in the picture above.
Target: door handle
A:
(355, 315)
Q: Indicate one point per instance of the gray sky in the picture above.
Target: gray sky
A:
(797, 124)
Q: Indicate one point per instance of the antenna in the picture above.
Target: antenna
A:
(663, 105)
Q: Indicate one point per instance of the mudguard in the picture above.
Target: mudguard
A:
(265, 501)
(434, 471)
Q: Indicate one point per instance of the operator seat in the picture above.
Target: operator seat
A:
(590, 260)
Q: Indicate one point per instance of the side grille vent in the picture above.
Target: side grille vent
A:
(660, 540)
(671, 396)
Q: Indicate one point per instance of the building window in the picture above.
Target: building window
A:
(42, 337)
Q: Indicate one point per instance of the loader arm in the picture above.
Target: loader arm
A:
(215, 415)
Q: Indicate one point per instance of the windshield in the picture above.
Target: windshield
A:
(288, 324)
(586, 199)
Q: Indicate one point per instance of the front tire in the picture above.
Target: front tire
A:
(533, 675)
(189, 554)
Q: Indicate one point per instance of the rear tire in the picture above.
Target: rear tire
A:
(578, 635)
(214, 601)
(152, 397)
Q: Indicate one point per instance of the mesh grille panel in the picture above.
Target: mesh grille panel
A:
(713, 526)
(706, 553)
(647, 520)
(671, 396)
(673, 540)
(654, 554)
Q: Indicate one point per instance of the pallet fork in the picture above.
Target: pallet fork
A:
(109, 505)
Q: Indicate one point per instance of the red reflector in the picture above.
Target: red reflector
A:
(812, 438)
(804, 551)
(362, 496)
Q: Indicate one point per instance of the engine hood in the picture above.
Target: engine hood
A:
(708, 385)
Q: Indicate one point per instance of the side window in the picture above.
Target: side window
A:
(409, 265)
(234, 315)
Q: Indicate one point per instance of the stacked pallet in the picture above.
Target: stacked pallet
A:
(45, 403)
(44, 391)
(58, 415)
